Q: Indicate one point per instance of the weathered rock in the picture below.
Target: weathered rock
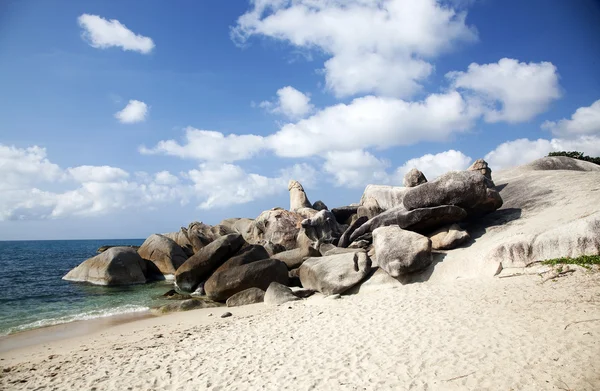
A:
(186, 305)
(414, 178)
(449, 237)
(419, 220)
(245, 297)
(306, 213)
(466, 189)
(277, 294)
(294, 258)
(180, 237)
(200, 234)
(343, 213)
(370, 208)
(340, 250)
(325, 247)
(278, 226)
(401, 252)
(320, 205)
(258, 274)
(481, 166)
(322, 228)
(273, 248)
(335, 273)
(360, 244)
(345, 238)
(298, 198)
(115, 266)
(102, 249)
(163, 252)
(247, 254)
(551, 163)
(387, 197)
(198, 267)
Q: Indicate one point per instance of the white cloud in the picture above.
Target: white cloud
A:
(209, 145)
(97, 173)
(435, 165)
(378, 47)
(165, 178)
(291, 103)
(523, 151)
(135, 111)
(355, 168)
(585, 121)
(25, 167)
(101, 33)
(522, 90)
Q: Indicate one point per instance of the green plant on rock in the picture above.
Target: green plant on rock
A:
(584, 260)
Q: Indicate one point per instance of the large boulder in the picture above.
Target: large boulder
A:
(345, 238)
(448, 237)
(278, 226)
(294, 258)
(335, 273)
(552, 163)
(163, 252)
(369, 208)
(115, 266)
(200, 234)
(258, 274)
(277, 294)
(246, 255)
(466, 189)
(180, 237)
(481, 166)
(414, 178)
(322, 228)
(198, 267)
(319, 205)
(245, 297)
(273, 248)
(387, 197)
(298, 198)
(401, 252)
(419, 220)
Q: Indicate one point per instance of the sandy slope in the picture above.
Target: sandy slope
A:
(497, 334)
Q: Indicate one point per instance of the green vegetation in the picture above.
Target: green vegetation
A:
(584, 260)
(577, 155)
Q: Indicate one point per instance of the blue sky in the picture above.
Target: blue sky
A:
(334, 96)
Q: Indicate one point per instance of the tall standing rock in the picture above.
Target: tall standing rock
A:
(414, 178)
(298, 198)
(481, 166)
(198, 267)
(163, 252)
(115, 266)
(400, 252)
(334, 273)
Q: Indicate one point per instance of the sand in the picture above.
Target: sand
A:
(468, 334)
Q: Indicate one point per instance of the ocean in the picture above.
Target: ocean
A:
(34, 295)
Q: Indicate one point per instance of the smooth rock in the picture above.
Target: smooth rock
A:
(335, 273)
(277, 294)
(320, 205)
(370, 208)
(198, 267)
(387, 197)
(115, 266)
(167, 255)
(551, 163)
(260, 274)
(226, 315)
(294, 258)
(180, 237)
(401, 252)
(298, 198)
(247, 296)
(449, 237)
(414, 178)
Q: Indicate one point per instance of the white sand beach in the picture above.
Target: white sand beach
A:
(474, 334)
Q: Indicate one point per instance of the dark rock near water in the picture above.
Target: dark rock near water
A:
(167, 255)
(115, 266)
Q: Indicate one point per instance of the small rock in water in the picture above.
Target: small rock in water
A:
(226, 315)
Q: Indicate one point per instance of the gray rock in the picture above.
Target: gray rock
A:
(401, 252)
(418, 220)
(244, 256)
(481, 166)
(198, 267)
(387, 197)
(343, 213)
(226, 314)
(200, 234)
(551, 163)
(102, 249)
(163, 252)
(325, 247)
(277, 294)
(449, 237)
(320, 205)
(278, 226)
(245, 297)
(322, 228)
(273, 248)
(115, 266)
(414, 178)
(370, 208)
(302, 293)
(180, 237)
(186, 305)
(294, 258)
(174, 295)
(466, 189)
(345, 238)
(335, 273)
(257, 274)
(360, 244)
(298, 198)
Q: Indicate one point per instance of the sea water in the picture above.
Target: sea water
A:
(33, 293)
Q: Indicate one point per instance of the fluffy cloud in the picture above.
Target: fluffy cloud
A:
(522, 90)
(100, 174)
(290, 102)
(101, 33)
(585, 121)
(377, 47)
(435, 165)
(522, 151)
(355, 168)
(26, 167)
(135, 111)
(211, 146)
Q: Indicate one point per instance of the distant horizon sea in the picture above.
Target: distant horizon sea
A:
(34, 294)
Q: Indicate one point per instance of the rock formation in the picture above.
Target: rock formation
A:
(298, 198)
(163, 252)
(115, 266)
(335, 273)
(401, 252)
(414, 178)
